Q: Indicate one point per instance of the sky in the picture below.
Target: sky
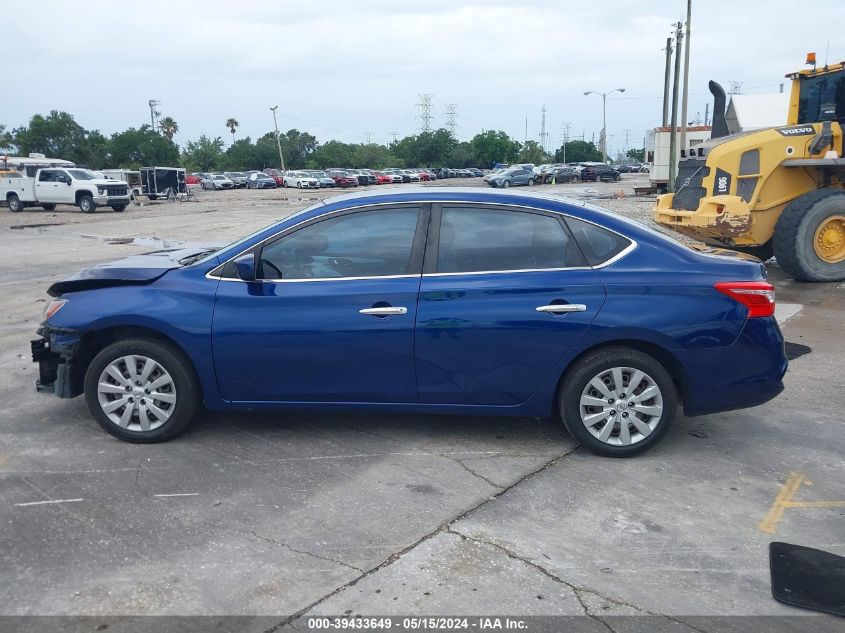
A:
(354, 71)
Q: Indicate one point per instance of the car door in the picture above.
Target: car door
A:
(47, 186)
(504, 295)
(331, 317)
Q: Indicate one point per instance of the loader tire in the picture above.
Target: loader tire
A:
(763, 252)
(809, 239)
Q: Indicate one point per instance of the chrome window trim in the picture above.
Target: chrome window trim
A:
(628, 249)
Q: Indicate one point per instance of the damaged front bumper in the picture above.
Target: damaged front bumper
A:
(57, 353)
(724, 220)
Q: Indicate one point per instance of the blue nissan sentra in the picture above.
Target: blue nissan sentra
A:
(441, 300)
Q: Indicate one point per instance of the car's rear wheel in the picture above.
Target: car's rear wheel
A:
(617, 402)
(15, 204)
(141, 390)
(48, 207)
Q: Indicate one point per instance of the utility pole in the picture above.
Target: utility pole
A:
(154, 112)
(686, 82)
(278, 142)
(369, 136)
(451, 112)
(673, 133)
(525, 138)
(706, 114)
(394, 137)
(668, 50)
(425, 112)
(566, 127)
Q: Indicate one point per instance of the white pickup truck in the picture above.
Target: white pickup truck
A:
(49, 187)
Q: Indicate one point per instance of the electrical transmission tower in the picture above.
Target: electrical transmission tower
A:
(154, 112)
(451, 112)
(369, 136)
(544, 136)
(393, 137)
(735, 87)
(425, 112)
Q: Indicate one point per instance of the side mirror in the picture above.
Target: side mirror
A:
(245, 267)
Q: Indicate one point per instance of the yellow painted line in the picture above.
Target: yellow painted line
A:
(815, 504)
(787, 491)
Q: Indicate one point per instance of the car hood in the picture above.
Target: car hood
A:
(134, 270)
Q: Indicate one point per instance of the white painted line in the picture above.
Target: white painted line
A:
(180, 494)
(41, 503)
(785, 311)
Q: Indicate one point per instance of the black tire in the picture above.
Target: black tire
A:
(617, 178)
(530, 182)
(15, 204)
(153, 196)
(795, 231)
(579, 375)
(87, 204)
(173, 361)
(119, 207)
(299, 185)
(763, 252)
(48, 207)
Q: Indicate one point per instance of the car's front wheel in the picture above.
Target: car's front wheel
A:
(141, 390)
(617, 402)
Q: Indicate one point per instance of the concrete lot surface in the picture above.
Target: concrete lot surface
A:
(287, 515)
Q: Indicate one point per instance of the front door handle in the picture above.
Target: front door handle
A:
(560, 308)
(384, 311)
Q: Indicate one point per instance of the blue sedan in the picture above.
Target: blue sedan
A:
(451, 301)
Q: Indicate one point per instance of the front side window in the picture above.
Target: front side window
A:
(365, 244)
(476, 240)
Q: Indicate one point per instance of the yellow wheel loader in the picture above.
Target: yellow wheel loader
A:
(778, 191)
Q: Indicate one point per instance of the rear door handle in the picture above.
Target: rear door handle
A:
(560, 308)
(384, 311)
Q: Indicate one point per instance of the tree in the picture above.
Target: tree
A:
(7, 141)
(334, 154)
(267, 151)
(531, 152)
(242, 155)
(493, 146)
(204, 154)
(297, 147)
(57, 135)
(95, 152)
(637, 154)
(577, 152)
(232, 124)
(143, 147)
(168, 127)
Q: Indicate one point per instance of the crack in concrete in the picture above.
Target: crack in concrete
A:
(472, 472)
(287, 546)
(443, 527)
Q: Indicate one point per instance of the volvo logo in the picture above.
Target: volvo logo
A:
(798, 130)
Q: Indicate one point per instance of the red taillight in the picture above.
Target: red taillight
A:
(757, 296)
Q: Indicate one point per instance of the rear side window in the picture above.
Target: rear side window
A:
(47, 176)
(597, 244)
(475, 240)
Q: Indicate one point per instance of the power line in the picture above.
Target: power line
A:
(425, 112)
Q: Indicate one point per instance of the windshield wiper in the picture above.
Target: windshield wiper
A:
(190, 259)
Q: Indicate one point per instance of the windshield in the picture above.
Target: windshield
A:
(236, 174)
(262, 177)
(219, 177)
(82, 174)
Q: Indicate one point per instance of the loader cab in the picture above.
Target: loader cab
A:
(812, 89)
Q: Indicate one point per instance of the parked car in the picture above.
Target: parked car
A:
(193, 179)
(322, 178)
(276, 175)
(300, 180)
(423, 175)
(399, 175)
(395, 177)
(413, 176)
(364, 176)
(511, 177)
(49, 187)
(475, 171)
(217, 181)
(260, 180)
(383, 179)
(563, 174)
(577, 310)
(237, 177)
(596, 173)
(342, 178)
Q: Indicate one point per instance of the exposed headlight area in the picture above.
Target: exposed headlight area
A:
(51, 308)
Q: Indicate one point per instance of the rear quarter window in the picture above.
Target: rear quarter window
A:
(597, 244)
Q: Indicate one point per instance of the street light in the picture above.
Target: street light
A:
(278, 142)
(604, 117)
